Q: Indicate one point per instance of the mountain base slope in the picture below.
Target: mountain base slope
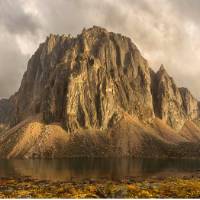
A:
(129, 137)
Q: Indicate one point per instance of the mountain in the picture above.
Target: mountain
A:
(95, 95)
(172, 104)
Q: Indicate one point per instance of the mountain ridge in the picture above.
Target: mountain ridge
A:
(94, 82)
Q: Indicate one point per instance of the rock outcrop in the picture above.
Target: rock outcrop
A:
(6, 109)
(99, 83)
(172, 104)
(85, 82)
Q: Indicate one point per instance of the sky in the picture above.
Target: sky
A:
(166, 32)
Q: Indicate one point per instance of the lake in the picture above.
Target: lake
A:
(82, 168)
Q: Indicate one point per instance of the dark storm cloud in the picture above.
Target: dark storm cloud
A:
(15, 19)
(15, 25)
(12, 64)
(166, 31)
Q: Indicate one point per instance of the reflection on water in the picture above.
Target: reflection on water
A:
(82, 168)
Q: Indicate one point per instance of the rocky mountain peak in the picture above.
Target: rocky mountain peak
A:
(92, 80)
(162, 68)
(94, 30)
(172, 104)
(99, 87)
(88, 81)
(162, 72)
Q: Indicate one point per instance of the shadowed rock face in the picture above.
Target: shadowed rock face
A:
(5, 113)
(91, 80)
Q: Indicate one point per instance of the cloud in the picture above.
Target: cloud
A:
(166, 31)
(19, 31)
(12, 65)
(15, 19)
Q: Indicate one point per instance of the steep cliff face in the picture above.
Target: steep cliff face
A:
(98, 87)
(190, 104)
(87, 81)
(172, 104)
(5, 113)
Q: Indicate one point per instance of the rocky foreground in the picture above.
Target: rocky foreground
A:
(95, 95)
(185, 187)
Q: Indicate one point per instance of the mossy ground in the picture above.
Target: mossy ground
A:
(169, 187)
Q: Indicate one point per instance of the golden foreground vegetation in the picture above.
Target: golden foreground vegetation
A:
(169, 187)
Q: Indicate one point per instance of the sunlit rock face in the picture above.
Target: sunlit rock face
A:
(172, 104)
(85, 82)
(91, 80)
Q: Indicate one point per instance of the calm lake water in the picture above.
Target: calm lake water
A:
(70, 169)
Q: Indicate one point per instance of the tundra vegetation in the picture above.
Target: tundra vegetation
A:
(185, 187)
